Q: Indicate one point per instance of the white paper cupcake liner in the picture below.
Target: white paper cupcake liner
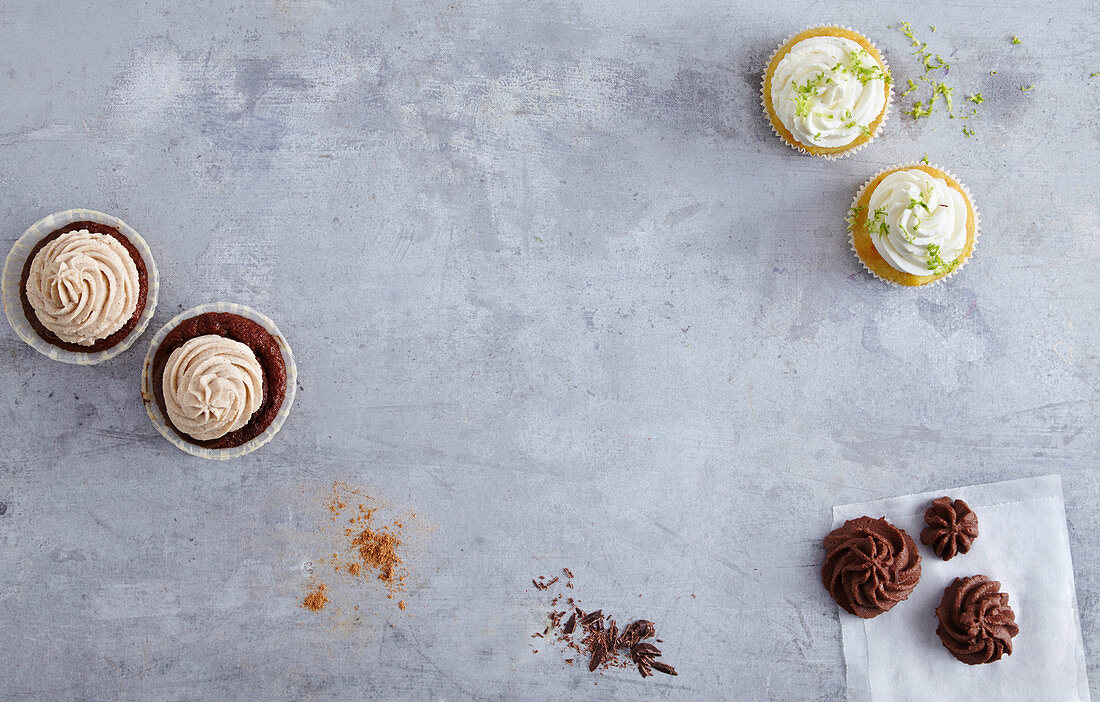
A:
(914, 164)
(796, 146)
(157, 417)
(13, 271)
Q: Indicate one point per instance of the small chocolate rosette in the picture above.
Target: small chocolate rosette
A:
(976, 623)
(952, 527)
(870, 566)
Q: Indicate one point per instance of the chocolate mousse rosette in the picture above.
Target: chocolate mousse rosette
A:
(952, 527)
(976, 623)
(870, 566)
(80, 286)
(219, 380)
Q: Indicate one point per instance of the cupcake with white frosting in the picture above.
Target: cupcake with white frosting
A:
(826, 91)
(219, 380)
(913, 225)
(84, 283)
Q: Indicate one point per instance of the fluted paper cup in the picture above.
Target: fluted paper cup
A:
(13, 271)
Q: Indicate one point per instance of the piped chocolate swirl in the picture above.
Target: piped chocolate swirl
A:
(952, 527)
(976, 623)
(870, 566)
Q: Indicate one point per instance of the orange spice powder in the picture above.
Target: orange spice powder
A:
(316, 600)
(378, 550)
(368, 548)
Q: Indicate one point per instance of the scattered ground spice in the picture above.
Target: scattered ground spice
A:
(596, 635)
(316, 600)
(378, 550)
(366, 546)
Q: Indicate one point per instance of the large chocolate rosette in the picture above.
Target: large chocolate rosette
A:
(976, 623)
(870, 566)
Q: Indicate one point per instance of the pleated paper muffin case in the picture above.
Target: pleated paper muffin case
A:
(161, 422)
(924, 167)
(794, 143)
(13, 272)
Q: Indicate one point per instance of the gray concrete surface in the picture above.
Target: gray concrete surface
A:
(553, 285)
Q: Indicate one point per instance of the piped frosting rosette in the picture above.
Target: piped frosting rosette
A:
(212, 385)
(870, 566)
(826, 91)
(976, 623)
(82, 286)
(913, 225)
(952, 527)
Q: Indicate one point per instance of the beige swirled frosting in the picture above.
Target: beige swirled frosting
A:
(211, 386)
(83, 286)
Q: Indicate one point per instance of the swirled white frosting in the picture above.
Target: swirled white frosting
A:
(83, 286)
(917, 222)
(212, 385)
(828, 90)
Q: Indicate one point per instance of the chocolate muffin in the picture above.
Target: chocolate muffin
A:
(976, 623)
(219, 379)
(870, 566)
(83, 287)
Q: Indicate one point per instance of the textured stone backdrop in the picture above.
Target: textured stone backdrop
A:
(553, 285)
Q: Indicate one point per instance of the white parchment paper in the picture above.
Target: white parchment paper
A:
(1023, 542)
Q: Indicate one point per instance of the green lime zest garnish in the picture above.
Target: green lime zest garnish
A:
(907, 29)
(1016, 40)
(865, 74)
(1030, 87)
(877, 224)
(976, 98)
(914, 203)
(848, 121)
(934, 260)
(924, 159)
(853, 213)
(932, 64)
(911, 88)
(967, 131)
(937, 265)
(804, 93)
(919, 110)
(945, 90)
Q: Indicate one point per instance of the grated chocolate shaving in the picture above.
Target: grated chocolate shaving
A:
(599, 637)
